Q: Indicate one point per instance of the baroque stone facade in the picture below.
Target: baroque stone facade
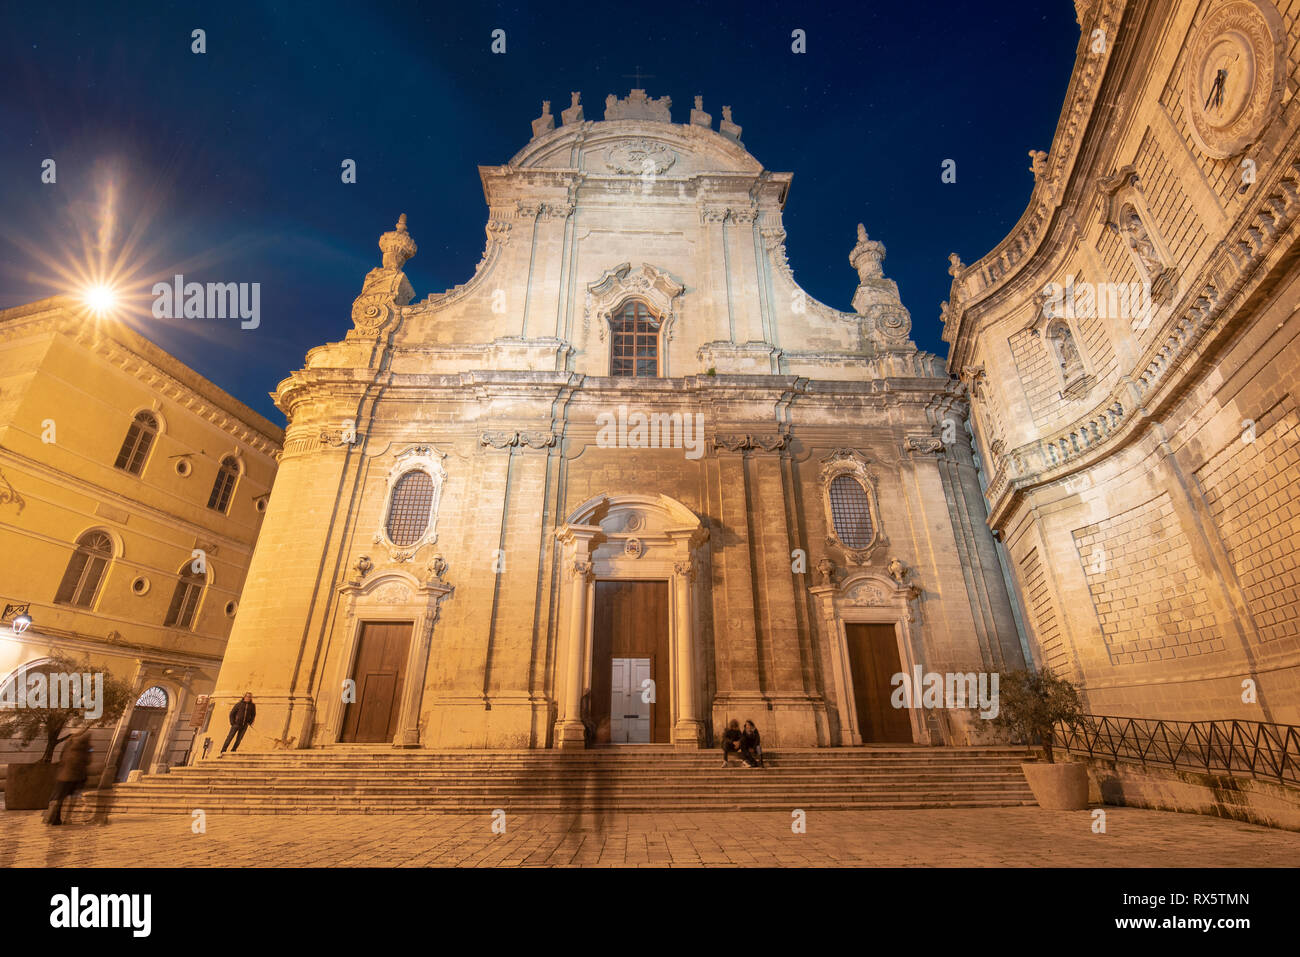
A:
(631, 400)
(1131, 352)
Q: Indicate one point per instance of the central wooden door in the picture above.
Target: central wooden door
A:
(382, 650)
(873, 659)
(630, 634)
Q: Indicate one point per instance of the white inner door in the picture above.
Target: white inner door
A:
(629, 709)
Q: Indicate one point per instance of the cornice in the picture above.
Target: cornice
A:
(129, 351)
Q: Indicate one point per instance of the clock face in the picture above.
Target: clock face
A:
(1236, 69)
(1228, 64)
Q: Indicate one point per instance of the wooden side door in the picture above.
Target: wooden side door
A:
(378, 672)
(873, 659)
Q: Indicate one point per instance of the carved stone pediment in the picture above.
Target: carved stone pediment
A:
(656, 287)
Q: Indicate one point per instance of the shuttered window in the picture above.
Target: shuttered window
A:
(138, 441)
(85, 570)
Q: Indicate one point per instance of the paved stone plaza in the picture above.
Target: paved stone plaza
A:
(998, 837)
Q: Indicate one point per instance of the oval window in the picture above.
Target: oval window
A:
(408, 512)
(851, 512)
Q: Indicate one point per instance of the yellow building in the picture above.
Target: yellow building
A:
(131, 493)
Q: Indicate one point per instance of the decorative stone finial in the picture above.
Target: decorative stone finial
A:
(826, 570)
(877, 297)
(866, 256)
(698, 116)
(955, 265)
(574, 113)
(397, 245)
(727, 128)
(544, 123)
(386, 287)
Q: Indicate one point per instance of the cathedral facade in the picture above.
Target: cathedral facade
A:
(625, 484)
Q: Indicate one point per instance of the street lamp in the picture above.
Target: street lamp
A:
(19, 613)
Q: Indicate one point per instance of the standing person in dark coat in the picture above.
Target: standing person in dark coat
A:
(241, 719)
(730, 740)
(72, 774)
(751, 748)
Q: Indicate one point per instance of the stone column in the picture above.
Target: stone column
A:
(570, 732)
(417, 667)
(117, 744)
(689, 729)
(850, 733)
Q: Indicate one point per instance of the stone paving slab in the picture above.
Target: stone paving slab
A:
(985, 837)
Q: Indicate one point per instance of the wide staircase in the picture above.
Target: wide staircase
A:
(380, 780)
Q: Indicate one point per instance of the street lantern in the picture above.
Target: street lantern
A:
(21, 619)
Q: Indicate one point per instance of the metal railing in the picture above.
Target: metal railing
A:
(1270, 751)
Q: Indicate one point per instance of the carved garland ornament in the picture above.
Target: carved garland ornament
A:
(639, 158)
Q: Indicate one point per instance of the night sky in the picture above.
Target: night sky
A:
(225, 166)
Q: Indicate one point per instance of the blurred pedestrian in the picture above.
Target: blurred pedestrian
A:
(71, 777)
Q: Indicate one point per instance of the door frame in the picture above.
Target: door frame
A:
(631, 538)
(392, 598)
(871, 598)
(356, 649)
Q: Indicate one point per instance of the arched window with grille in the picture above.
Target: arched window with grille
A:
(85, 571)
(851, 512)
(138, 442)
(185, 599)
(410, 507)
(634, 334)
(224, 484)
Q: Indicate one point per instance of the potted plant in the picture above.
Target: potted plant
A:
(28, 786)
(1029, 705)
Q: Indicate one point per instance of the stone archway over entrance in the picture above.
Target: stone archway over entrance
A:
(640, 556)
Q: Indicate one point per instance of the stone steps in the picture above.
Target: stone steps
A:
(381, 780)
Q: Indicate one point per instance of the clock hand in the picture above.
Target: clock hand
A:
(1216, 90)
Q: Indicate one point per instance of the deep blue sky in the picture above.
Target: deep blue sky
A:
(226, 165)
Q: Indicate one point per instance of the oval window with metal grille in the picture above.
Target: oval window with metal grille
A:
(851, 512)
(409, 508)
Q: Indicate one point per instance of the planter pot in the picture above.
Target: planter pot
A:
(28, 787)
(1058, 787)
